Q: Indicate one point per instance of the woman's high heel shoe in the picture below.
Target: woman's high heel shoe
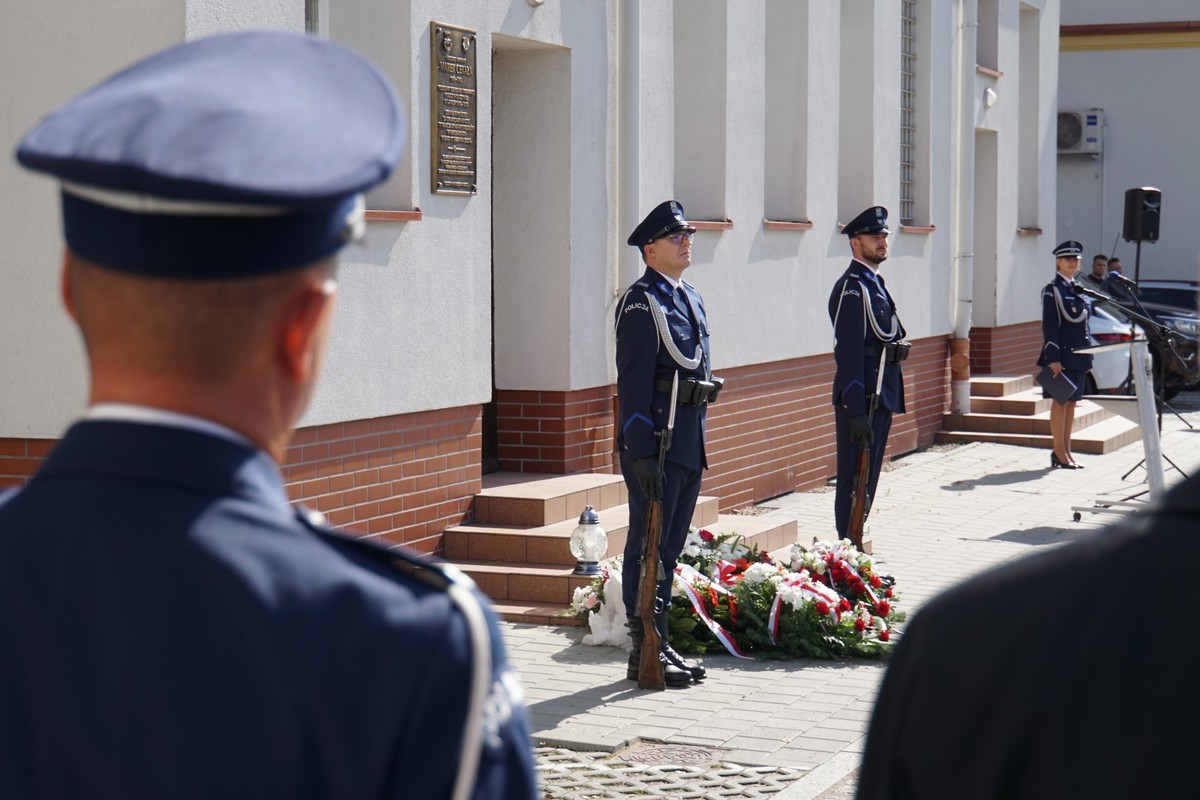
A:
(1056, 464)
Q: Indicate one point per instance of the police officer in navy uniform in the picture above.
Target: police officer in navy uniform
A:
(662, 332)
(1065, 314)
(173, 627)
(867, 334)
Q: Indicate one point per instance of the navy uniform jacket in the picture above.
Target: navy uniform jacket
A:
(643, 360)
(172, 628)
(862, 324)
(1064, 325)
(1065, 674)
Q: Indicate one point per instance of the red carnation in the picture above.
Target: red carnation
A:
(844, 605)
(883, 608)
(888, 592)
(876, 582)
(884, 635)
(706, 535)
(859, 624)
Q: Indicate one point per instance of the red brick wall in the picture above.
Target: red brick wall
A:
(409, 477)
(405, 478)
(771, 432)
(1007, 350)
(556, 432)
(20, 458)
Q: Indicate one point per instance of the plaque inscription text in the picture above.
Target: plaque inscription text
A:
(455, 114)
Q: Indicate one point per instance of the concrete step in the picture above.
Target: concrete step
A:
(547, 544)
(530, 500)
(541, 593)
(1023, 403)
(1102, 437)
(1086, 414)
(999, 385)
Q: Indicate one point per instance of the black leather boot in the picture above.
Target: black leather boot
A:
(662, 620)
(675, 677)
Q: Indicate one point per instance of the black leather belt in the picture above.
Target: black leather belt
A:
(693, 392)
(896, 352)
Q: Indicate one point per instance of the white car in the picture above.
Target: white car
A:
(1110, 369)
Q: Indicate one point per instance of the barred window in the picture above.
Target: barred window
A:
(908, 88)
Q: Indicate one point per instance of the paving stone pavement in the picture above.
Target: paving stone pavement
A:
(941, 515)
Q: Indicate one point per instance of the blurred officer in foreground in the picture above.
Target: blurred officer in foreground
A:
(173, 627)
(1050, 677)
(661, 331)
(866, 334)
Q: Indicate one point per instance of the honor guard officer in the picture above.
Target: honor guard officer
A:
(867, 333)
(173, 626)
(661, 331)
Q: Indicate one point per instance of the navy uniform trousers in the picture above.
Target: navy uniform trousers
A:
(644, 365)
(847, 462)
(172, 628)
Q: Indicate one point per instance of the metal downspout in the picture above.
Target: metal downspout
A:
(963, 239)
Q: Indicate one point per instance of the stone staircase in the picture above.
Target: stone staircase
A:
(516, 549)
(1008, 409)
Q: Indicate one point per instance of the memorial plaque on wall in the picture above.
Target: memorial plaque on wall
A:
(455, 114)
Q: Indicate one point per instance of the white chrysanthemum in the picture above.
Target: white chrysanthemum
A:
(757, 573)
(792, 596)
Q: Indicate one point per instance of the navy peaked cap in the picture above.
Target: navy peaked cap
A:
(234, 155)
(1069, 249)
(665, 218)
(873, 220)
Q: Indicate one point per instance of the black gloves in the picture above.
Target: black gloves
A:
(860, 430)
(650, 477)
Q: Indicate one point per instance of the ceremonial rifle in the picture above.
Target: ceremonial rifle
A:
(860, 504)
(650, 671)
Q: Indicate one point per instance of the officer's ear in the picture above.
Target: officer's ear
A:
(304, 321)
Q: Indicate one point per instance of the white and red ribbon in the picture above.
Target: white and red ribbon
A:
(687, 577)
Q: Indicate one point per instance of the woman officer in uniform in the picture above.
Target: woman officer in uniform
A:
(1065, 330)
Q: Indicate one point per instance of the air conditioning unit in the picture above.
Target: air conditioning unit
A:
(1081, 131)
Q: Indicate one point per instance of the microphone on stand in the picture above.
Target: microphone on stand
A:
(1086, 292)
(1123, 279)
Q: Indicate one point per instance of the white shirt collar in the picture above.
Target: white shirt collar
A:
(671, 281)
(130, 412)
(873, 270)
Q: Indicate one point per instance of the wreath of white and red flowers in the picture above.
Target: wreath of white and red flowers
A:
(826, 601)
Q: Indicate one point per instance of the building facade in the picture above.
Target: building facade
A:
(475, 324)
(1133, 69)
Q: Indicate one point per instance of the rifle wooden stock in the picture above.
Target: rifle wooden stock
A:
(650, 671)
(859, 505)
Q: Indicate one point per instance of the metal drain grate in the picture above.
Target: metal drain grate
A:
(644, 751)
(567, 774)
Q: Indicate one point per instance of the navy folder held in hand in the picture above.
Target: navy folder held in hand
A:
(1060, 387)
